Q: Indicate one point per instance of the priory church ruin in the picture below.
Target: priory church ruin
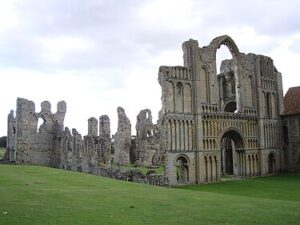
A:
(233, 123)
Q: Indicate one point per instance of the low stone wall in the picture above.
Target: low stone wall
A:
(133, 175)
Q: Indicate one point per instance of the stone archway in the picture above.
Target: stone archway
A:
(232, 47)
(233, 157)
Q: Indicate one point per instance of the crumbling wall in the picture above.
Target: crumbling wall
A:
(87, 153)
(147, 141)
(104, 139)
(29, 143)
(51, 144)
(122, 139)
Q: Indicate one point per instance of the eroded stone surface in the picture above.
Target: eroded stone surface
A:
(53, 145)
(122, 139)
(147, 139)
(226, 123)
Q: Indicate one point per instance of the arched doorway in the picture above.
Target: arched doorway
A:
(271, 163)
(233, 161)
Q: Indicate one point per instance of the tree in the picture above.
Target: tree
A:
(3, 141)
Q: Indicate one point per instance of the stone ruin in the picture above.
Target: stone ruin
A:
(122, 139)
(209, 125)
(51, 144)
(147, 140)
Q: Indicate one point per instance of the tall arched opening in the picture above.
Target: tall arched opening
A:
(229, 73)
(233, 158)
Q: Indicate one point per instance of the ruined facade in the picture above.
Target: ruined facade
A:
(50, 144)
(227, 123)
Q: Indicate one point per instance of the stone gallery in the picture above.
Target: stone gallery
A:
(211, 124)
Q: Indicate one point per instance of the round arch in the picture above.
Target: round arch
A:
(236, 135)
(232, 152)
(230, 106)
(227, 41)
(230, 44)
(183, 156)
(182, 168)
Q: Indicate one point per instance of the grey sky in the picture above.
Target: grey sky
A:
(97, 55)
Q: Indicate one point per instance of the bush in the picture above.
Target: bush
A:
(3, 141)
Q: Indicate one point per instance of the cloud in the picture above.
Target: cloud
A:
(100, 54)
(56, 48)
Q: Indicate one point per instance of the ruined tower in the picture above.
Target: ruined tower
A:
(122, 138)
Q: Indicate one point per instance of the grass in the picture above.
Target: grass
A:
(40, 195)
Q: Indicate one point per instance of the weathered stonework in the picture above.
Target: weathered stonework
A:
(122, 139)
(104, 139)
(230, 123)
(147, 140)
(225, 123)
(53, 145)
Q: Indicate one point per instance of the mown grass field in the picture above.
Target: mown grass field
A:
(39, 195)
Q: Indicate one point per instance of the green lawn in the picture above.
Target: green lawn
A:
(39, 195)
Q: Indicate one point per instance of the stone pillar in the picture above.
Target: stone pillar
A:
(92, 126)
(105, 139)
(122, 138)
(104, 125)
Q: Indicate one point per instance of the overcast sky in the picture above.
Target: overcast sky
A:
(98, 55)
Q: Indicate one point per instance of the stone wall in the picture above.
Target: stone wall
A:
(51, 144)
(291, 132)
(147, 140)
